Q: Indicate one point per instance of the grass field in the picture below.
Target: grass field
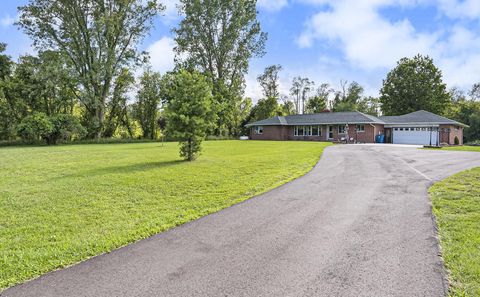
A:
(60, 205)
(456, 205)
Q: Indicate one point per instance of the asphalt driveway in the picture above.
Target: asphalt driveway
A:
(359, 224)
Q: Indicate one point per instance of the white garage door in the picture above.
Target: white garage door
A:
(414, 136)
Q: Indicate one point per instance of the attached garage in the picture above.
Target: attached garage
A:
(422, 128)
(415, 135)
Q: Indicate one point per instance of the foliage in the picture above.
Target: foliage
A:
(415, 84)
(369, 105)
(48, 187)
(146, 109)
(467, 111)
(318, 103)
(64, 127)
(348, 97)
(189, 113)
(288, 108)
(300, 90)
(44, 83)
(98, 38)
(268, 80)
(456, 205)
(40, 126)
(35, 127)
(8, 118)
(218, 38)
(118, 110)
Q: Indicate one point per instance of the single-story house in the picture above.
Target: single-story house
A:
(419, 127)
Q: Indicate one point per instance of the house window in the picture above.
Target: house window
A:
(299, 131)
(308, 130)
(360, 128)
(258, 129)
(341, 129)
(316, 131)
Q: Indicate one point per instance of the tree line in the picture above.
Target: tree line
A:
(82, 84)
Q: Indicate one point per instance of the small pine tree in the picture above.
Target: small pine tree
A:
(189, 111)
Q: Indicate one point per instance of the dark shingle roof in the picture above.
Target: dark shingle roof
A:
(419, 117)
(354, 117)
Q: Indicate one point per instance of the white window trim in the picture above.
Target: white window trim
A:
(360, 125)
(344, 129)
(257, 130)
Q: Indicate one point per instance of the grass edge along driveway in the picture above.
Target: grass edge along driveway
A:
(466, 148)
(64, 204)
(456, 206)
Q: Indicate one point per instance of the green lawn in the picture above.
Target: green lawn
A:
(462, 148)
(456, 205)
(60, 205)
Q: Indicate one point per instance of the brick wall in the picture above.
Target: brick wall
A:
(287, 133)
(449, 137)
(270, 133)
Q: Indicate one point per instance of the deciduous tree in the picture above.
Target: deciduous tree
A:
(146, 109)
(218, 38)
(268, 80)
(98, 37)
(414, 84)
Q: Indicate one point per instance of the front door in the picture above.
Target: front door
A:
(330, 132)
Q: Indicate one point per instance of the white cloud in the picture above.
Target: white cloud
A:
(7, 20)
(171, 13)
(366, 39)
(371, 44)
(272, 5)
(460, 9)
(162, 54)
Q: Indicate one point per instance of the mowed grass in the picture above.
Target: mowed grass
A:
(456, 205)
(469, 148)
(60, 205)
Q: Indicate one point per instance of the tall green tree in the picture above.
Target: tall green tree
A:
(146, 109)
(98, 37)
(118, 113)
(318, 103)
(189, 111)
(369, 105)
(268, 80)
(264, 109)
(288, 107)
(218, 38)
(45, 83)
(8, 117)
(348, 97)
(414, 84)
(300, 90)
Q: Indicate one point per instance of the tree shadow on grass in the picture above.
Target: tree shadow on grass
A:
(125, 169)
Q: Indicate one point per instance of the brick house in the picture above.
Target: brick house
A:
(420, 127)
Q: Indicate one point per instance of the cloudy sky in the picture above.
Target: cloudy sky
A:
(331, 40)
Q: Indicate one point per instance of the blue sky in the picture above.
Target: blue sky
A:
(332, 40)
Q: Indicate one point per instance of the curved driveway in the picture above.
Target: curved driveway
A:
(359, 224)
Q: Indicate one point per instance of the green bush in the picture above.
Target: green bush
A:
(456, 141)
(65, 126)
(35, 127)
(51, 129)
